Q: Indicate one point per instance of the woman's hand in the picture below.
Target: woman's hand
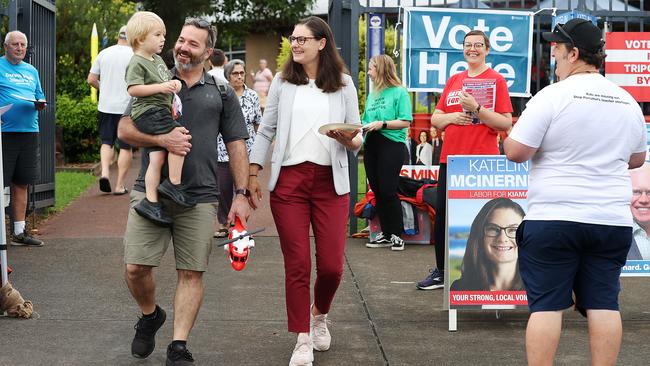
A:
(256, 191)
(373, 126)
(468, 102)
(345, 138)
(460, 118)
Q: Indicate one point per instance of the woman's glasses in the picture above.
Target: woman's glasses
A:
(477, 45)
(238, 73)
(301, 39)
(493, 230)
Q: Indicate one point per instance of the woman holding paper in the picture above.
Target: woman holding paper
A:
(490, 260)
(309, 181)
(470, 123)
(387, 115)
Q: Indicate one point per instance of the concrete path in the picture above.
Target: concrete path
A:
(86, 315)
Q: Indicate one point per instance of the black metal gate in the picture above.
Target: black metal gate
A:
(615, 15)
(37, 19)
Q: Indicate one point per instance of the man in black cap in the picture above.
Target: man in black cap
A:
(576, 234)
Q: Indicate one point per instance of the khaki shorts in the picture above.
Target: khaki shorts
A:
(145, 243)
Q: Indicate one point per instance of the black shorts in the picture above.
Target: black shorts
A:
(156, 121)
(107, 127)
(557, 258)
(21, 158)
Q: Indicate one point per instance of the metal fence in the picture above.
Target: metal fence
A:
(37, 19)
(612, 15)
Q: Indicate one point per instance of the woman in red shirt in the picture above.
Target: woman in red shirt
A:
(470, 129)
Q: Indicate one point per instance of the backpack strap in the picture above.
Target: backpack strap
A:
(222, 87)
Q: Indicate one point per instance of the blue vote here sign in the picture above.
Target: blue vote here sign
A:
(433, 46)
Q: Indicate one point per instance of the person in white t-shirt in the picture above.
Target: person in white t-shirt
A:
(578, 229)
(217, 60)
(107, 75)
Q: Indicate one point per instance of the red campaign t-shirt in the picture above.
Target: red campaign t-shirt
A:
(476, 139)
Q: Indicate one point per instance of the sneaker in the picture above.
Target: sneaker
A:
(318, 332)
(153, 212)
(24, 239)
(398, 243)
(144, 341)
(178, 355)
(381, 241)
(176, 193)
(434, 280)
(303, 352)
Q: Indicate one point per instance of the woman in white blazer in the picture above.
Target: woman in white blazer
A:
(309, 176)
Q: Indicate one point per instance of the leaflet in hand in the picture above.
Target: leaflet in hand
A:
(28, 99)
(484, 92)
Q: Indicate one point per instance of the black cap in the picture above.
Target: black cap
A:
(579, 32)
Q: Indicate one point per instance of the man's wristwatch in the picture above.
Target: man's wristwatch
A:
(478, 109)
(243, 191)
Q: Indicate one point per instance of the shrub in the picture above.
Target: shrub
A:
(78, 121)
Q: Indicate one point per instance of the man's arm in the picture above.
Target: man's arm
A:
(176, 142)
(239, 167)
(636, 160)
(518, 152)
(93, 80)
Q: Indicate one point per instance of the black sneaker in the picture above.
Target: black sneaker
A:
(178, 355)
(398, 243)
(153, 212)
(144, 341)
(435, 280)
(24, 239)
(381, 241)
(176, 193)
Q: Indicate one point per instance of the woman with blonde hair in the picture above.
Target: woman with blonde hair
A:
(385, 119)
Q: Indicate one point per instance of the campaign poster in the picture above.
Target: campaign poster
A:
(433, 46)
(638, 258)
(486, 202)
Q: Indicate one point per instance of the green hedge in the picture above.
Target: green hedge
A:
(78, 122)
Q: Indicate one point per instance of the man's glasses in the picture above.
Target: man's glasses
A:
(477, 45)
(639, 192)
(559, 29)
(492, 231)
(301, 40)
(238, 73)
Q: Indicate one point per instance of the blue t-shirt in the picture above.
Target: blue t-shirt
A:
(19, 80)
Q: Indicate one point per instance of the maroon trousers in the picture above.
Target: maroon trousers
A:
(305, 194)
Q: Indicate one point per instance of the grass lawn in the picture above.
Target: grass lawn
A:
(68, 187)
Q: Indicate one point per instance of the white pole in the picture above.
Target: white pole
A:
(3, 230)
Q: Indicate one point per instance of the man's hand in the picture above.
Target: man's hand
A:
(177, 141)
(240, 208)
(40, 104)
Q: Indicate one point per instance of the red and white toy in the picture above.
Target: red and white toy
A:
(239, 249)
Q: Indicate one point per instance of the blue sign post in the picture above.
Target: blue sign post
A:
(434, 46)
(374, 40)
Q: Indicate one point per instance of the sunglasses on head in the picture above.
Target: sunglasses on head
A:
(559, 29)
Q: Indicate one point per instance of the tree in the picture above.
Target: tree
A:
(75, 20)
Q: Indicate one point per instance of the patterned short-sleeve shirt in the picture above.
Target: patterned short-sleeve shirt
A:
(250, 106)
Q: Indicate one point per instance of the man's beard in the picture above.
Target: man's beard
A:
(195, 61)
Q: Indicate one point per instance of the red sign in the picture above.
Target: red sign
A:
(628, 62)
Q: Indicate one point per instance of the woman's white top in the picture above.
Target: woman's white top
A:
(310, 111)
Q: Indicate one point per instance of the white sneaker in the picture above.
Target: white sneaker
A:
(303, 352)
(381, 241)
(318, 331)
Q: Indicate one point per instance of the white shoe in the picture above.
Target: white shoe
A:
(318, 331)
(303, 352)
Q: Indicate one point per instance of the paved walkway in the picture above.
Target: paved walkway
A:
(86, 315)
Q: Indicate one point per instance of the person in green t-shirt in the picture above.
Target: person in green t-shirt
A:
(387, 115)
(150, 84)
